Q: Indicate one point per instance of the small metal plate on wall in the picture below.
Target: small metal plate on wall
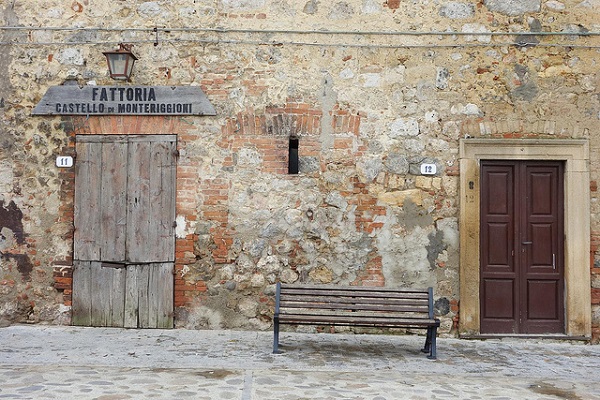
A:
(113, 265)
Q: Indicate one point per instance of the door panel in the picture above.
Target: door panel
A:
(99, 288)
(499, 255)
(100, 190)
(542, 300)
(124, 231)
(151, 206)
(88, 189)
(522, 285)
(542, 260)
(149, 308)
(540, 256)
(500, 189)
(82, 294)
(499, 295)
(499, 283)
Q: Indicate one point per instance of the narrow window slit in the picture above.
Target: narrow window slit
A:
(293, 163)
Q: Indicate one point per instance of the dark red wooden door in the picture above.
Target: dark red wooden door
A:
(522, 285)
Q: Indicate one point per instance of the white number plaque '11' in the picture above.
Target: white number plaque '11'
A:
(64, 161)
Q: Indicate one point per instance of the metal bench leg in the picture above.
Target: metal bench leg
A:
(432, 355)
(275, 337)
(427, 347)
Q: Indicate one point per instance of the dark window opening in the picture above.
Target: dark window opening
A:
(293, 163)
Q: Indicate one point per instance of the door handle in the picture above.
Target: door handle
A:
(526, 242)
(553, 261)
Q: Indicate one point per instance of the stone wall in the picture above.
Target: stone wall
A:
(392, 85)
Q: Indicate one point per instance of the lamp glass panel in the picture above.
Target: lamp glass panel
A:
(118, 64)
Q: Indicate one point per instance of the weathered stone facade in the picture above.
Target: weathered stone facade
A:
(371, 89)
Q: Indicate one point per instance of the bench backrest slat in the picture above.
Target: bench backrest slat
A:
(354, 299)
(353, 289)
(361, 295)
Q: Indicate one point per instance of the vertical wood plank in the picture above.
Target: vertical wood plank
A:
(162, 201)
(143, 280)
(87, 201)
(153, 295)
(169, 177)
(107, 295)
(138, 221)
(165, 295)
(155, 205)
(131, 297)
(113, 223)
(101, 285)
(82, 296)
(117, 297)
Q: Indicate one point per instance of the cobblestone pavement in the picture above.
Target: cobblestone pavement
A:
(42, 362)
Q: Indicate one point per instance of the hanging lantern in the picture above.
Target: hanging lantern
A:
(120, 62)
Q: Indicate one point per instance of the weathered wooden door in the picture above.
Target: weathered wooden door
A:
(522, 284)
(124, 247)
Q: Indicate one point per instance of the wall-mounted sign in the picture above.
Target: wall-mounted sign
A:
(428, 169)
(64, 161)
(124, 100)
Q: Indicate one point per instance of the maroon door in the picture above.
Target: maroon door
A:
(522, 286)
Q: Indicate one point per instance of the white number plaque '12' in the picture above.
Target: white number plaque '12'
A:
(428, 169)
(64, 161)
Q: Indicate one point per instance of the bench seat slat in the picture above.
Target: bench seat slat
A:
(343, 320)
(354, 307)
(353, 314)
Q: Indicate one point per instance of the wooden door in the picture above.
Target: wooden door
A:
(124, 247)
(522, 278)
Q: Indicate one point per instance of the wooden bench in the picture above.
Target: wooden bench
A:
(356, 306)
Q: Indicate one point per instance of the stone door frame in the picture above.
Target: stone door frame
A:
(575, 154)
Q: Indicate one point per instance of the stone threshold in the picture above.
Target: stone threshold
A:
(549, 336)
